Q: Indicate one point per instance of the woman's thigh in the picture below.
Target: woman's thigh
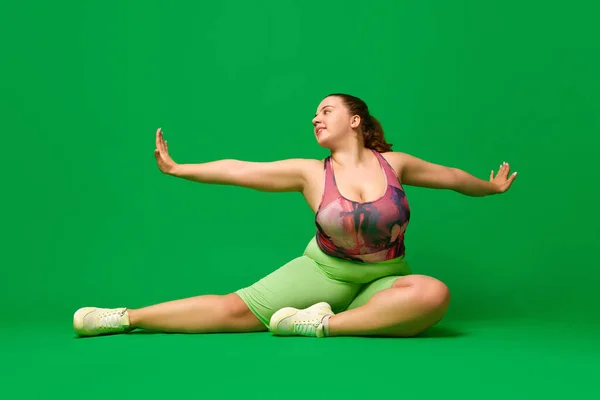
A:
(368, 290)
(300, 283)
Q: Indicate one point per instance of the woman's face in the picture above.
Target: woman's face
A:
(333, 122)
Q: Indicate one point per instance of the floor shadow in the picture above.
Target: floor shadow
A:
(435, 332)
(445, 331)
(134, 332)
(145, 332)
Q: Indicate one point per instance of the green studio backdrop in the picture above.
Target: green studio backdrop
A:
(89, 219)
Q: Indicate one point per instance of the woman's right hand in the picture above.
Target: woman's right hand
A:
(161, 153)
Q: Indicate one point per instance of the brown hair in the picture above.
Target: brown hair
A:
(371, 129)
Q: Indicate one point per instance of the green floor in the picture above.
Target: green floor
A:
(89, 221)
(494, 359)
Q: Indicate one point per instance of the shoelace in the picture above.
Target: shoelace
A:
(110, 319)
(306, 327)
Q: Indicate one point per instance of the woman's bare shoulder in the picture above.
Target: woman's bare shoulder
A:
(396, 159)
(311, 168)
(314, 163)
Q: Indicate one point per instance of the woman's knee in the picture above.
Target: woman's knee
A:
(431, 294)
(235, 314)
(233, 306)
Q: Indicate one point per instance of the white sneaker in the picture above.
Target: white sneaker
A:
(92, 321)
(307, 322)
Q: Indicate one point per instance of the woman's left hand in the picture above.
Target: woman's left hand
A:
(502, 181)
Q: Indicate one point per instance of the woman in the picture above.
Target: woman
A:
(352, 278)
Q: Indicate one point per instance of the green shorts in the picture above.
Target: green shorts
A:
(315, 277)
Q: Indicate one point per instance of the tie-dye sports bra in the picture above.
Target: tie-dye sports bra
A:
(364, 232)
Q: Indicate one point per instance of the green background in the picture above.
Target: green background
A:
(89, 220)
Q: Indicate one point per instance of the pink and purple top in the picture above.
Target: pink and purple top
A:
(363, 231)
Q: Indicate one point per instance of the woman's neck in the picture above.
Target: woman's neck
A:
(351, 154)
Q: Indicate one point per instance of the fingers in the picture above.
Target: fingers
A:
(161, 144)
(509, 181)
(162, 141)
(502, 177)
(157, 144)
(511, 178)
(504, 168)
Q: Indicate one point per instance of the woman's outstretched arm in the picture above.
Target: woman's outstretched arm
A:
(416, 172)
(275, 176)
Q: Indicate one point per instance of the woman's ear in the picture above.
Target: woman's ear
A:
(355, 121)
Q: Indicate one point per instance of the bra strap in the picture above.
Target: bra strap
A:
(330, 190)
(390, 174)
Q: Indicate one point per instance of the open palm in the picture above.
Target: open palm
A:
(502, 181)
(161, 153)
